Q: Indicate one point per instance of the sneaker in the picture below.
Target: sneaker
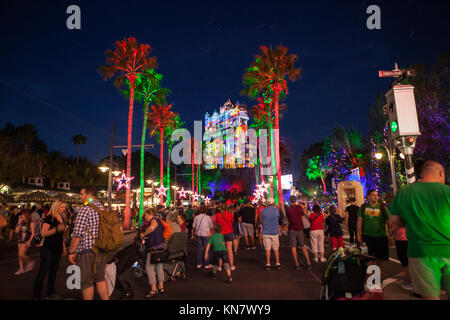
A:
(277, 267)
(208, 266)
(309, 267)
(229, 280)
(323, 259)
(219, 269)
(406, 286)
(233, 268)
(267, 267)
(248, 248)
(297, 267)
(316, 260)
(20, 271)
(199, 266)
(253, 248)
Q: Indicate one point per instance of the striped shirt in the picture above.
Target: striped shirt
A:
(87, 218)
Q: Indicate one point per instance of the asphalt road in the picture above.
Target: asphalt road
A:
(250, 280)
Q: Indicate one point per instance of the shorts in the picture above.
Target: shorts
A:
(86, 263)
(271, 242)
(378, 247)
(402, 252)
(247, 229)
(296, 238)
(228, 237)
(220, 255)
(429, 275)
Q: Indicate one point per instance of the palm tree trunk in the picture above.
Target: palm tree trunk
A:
(142, 177)
(161, 163)
(193, 169)
(78, 154)
(168, 174)
(324, 185)
(277, 149)
(126, 223)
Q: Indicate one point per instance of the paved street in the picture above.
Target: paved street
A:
(250, 280)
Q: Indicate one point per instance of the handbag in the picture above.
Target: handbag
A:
(159, 257)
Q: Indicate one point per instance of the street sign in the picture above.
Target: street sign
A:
(391, 73)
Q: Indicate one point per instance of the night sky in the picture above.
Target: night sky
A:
(48, 73)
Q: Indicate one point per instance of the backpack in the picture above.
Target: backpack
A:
(110, 237)
(167, 230)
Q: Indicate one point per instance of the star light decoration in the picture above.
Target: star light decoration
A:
(162, 191)
(195, 197)
(263, 188)
(123, 181)
(182, 193)
(206, 199)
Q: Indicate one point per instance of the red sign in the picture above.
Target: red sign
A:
(392, 73)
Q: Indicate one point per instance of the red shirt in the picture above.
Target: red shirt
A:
(316, 223)
(183, 227)
(295, 214)
(226, 221)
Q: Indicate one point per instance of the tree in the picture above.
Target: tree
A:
(77, 140)
(148, 90)
(270, 71)
(128, 60)
(317, 168)
(160, 117)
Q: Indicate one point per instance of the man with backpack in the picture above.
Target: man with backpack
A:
(87, 237)
(373, 225)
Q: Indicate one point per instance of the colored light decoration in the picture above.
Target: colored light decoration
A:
(226, 138)
(182, 193)
(394, 126)
(207, 200)
(162, 191)
(195, 197)
(263, 188)
(123, 181)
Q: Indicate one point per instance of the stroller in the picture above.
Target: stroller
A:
(344, 274)
(174, 258)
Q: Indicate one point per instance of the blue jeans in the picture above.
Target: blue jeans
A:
(201, 246)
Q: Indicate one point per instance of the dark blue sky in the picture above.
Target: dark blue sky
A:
(203, 49)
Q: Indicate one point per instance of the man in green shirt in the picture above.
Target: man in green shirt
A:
(424, 209)
(372, 225)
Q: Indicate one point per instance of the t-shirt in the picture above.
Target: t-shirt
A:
(425, 208)
(217, 242)
(333, 221)
(54, 243)
(374, 225)
(316, 220)
(295, 216)
(352, 214)
(248, 214)
(226, 221)
(202, 225)
(270, 220)
(189, 213)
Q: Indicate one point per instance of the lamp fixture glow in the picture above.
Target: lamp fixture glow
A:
(103, 169)
(378, 155)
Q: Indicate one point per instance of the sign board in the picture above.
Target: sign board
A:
(287, 182)
(391, 73)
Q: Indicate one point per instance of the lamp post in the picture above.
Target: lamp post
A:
(390, 154)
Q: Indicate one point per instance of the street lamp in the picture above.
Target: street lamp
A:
(103, 169)
(402, 156)
(378, 155)
(390, 153)
(149, 181)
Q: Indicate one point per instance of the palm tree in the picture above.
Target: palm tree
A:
(269, 72)
(160, 117)
(128, 60)
(77, 140)
(148, 90)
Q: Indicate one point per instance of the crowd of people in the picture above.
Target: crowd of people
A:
(417, 219)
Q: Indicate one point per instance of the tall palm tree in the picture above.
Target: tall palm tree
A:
(127, 61)
(148, 90)
(77, 140)
(159, 117)
(270, 71)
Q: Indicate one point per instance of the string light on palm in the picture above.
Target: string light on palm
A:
(123, 181)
